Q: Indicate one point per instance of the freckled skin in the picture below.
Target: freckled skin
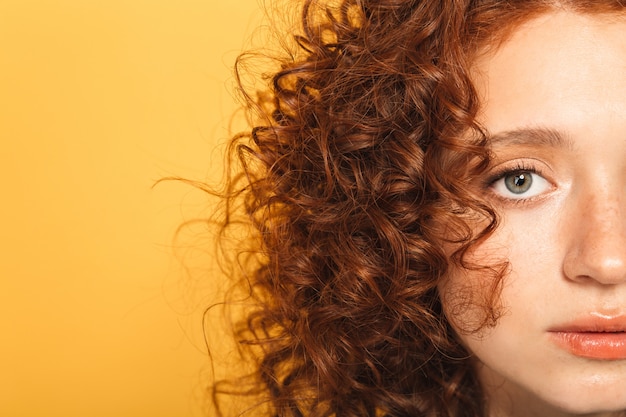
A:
(565, 235)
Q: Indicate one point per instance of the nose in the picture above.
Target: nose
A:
(597, 245)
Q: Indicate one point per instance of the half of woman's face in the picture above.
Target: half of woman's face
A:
(554, 104)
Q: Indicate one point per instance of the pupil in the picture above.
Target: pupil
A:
(518, 183)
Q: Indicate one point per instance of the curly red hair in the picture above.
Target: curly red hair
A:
(356, 178)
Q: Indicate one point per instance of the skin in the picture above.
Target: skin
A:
(564, 237)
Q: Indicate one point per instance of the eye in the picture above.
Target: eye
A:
(520, 184)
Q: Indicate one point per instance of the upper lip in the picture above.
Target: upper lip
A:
(593, 323)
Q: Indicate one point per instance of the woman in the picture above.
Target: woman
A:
(436, 189)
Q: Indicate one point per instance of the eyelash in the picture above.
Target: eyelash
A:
(508, 169)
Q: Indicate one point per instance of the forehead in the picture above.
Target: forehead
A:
(557, 60)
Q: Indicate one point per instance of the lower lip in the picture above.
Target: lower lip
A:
(593, 345)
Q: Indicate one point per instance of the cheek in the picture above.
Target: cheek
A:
(471, 295)
(513, 266)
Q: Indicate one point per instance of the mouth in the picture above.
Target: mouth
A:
(598, 337)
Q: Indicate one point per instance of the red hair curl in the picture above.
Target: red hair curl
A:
(358, 176)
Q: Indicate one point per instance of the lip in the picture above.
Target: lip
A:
(595, 336)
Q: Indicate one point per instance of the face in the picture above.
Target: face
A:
(554, 104)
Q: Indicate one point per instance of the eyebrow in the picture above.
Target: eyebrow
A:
(546, 137)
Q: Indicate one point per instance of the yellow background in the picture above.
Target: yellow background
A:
(98, 100)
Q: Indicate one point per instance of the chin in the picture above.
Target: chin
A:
(591, 408)
(590, 403)
(565, 390)
(589, 398)
(601, 391)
